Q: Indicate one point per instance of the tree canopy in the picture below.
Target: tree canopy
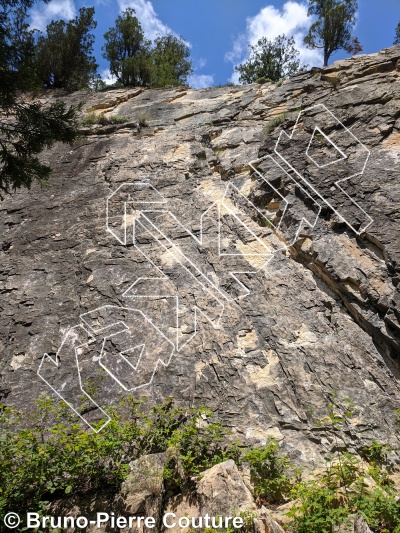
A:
(333, 28)
(64, 56)
(134, 60)
(127, 50)
(170, 63)
(270, 59)
(26, 126)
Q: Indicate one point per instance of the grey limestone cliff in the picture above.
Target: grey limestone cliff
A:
(205, 185)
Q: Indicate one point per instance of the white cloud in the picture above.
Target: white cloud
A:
(202, 62)
(55, 10)
(148, 18)
(270, 22)
(107, 77)
(201, 81)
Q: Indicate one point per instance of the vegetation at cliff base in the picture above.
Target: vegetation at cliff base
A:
(50, 456)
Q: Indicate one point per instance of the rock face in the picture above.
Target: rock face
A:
(142, 492)
(219, 482)
(121, 270)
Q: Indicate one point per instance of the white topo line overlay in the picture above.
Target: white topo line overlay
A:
(318, 129)
(135, 204)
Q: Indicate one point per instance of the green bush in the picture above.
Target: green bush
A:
(341, 491)
(50, 455)
(269, 472)
(272, 124)
(201, 446)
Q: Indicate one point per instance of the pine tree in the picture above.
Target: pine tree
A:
(332, 30)
(128, 51)
(134, 60)
(271, 60)
(170, 63)
(64, 56)
(26, 126)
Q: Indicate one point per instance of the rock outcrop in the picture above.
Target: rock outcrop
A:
(315, 317)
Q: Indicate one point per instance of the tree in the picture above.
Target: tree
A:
(128, 51)
(397, 38)
(134, 61)
(26, 127)
(170, 64)
(64, 56)
(332, 30)
(270, 59)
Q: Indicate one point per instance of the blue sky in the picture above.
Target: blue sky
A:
(218, 31)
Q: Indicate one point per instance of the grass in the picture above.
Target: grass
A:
(143, 120)
(92, 118)
(272, 124)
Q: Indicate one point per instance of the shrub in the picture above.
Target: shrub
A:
(341, 491)
(92, 118)
(50, 455)
(269, 472)
(202, 446)
(142, 120)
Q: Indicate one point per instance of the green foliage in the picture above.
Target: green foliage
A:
(272, 124)
(269, 472)
(376, 453)
(16, 51)
(201, 445)
(51, 455)
(92, 118)
(341, 490)
(25, 131)
(127, 50)
(270, 60)
(134, 61)
(248, 517)
(25, 128)
(332, 29)
(64, 56)
(169, 62)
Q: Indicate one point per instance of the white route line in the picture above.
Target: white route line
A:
(56, 362)
(125, 329)
(304, 221)
(336, 183)
(141, 219)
